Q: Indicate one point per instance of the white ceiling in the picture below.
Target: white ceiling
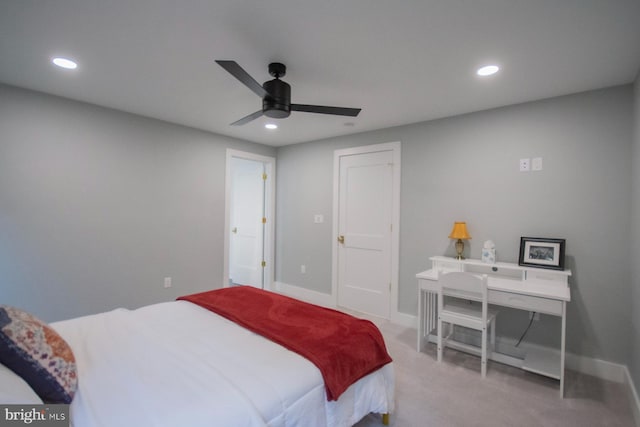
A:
(402, 61)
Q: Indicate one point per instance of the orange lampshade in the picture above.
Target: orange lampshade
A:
(459, 231)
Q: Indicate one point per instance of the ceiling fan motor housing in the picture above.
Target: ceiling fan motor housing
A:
(278, 105)
(276, 95)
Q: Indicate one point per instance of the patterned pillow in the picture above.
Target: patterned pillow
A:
(33, 350)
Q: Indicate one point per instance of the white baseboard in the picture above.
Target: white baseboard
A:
(404, 319)
(327, 300)
(633, 396)
(307, 295)
(596, 367)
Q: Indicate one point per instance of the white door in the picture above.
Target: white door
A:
(246, 244)
(364, 232)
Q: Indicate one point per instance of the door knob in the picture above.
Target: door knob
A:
(341, 239)
(234, 230)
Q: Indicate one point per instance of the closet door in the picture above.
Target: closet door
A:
(246, 243)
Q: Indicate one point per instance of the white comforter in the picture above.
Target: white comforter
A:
(177, 364)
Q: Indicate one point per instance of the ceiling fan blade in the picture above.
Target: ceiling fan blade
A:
(339, 111)
(239, 73)
(247, 119)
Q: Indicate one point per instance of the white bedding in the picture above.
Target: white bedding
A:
(177, 364)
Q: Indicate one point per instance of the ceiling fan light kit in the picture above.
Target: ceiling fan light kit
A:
(276, 95)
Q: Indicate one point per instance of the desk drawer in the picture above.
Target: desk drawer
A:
(526, 302)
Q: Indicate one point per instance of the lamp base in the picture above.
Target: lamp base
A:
(459, 249)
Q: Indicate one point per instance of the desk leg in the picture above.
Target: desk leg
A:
(427, 316)
(420, 320)
(432, 312)
(562, 347)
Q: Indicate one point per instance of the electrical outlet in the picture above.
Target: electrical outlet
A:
(303, 269)
(167, 282)
(525, 165)
(535, 315)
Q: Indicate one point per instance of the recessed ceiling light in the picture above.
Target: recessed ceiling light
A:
(65, 63)
(271, 126)
(487, 70)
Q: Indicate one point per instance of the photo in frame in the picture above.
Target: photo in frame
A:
(542, 252)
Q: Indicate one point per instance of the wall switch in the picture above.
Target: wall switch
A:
(318, 219)
(167, 282)
(535, 315)
(303, 269)
(525, 165)
(536, 164)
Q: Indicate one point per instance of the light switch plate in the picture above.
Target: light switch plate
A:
(536, 164)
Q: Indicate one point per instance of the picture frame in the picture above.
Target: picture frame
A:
(542, 252)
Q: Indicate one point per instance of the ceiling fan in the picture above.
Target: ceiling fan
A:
(276, 95)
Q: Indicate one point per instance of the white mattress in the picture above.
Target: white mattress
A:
(177, 364)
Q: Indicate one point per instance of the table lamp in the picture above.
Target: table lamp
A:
(459, 232)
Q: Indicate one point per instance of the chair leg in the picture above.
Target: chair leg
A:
(483, 360)
(493, 335)
(439, 339)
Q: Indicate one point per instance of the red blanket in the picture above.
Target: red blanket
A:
(343, 347)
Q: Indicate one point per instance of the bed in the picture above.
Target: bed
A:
(178, 363)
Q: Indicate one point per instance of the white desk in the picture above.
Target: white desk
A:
(510, 285)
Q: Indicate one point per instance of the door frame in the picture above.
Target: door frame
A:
(395, 217)
(270, 210)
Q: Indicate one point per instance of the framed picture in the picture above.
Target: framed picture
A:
(541, 252)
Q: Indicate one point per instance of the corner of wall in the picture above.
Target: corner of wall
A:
(633, 373)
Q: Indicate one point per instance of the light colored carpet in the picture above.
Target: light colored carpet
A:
(452, 393)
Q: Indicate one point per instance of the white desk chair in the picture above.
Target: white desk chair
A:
(467, 286)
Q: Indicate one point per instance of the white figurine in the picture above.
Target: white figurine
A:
(489, 252)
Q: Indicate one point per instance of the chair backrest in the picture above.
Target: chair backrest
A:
(464, 285)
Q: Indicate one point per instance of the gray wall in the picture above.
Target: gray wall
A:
(98, 206)
(634, 366)
(466, 168)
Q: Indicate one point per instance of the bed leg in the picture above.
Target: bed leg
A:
(385, 419)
